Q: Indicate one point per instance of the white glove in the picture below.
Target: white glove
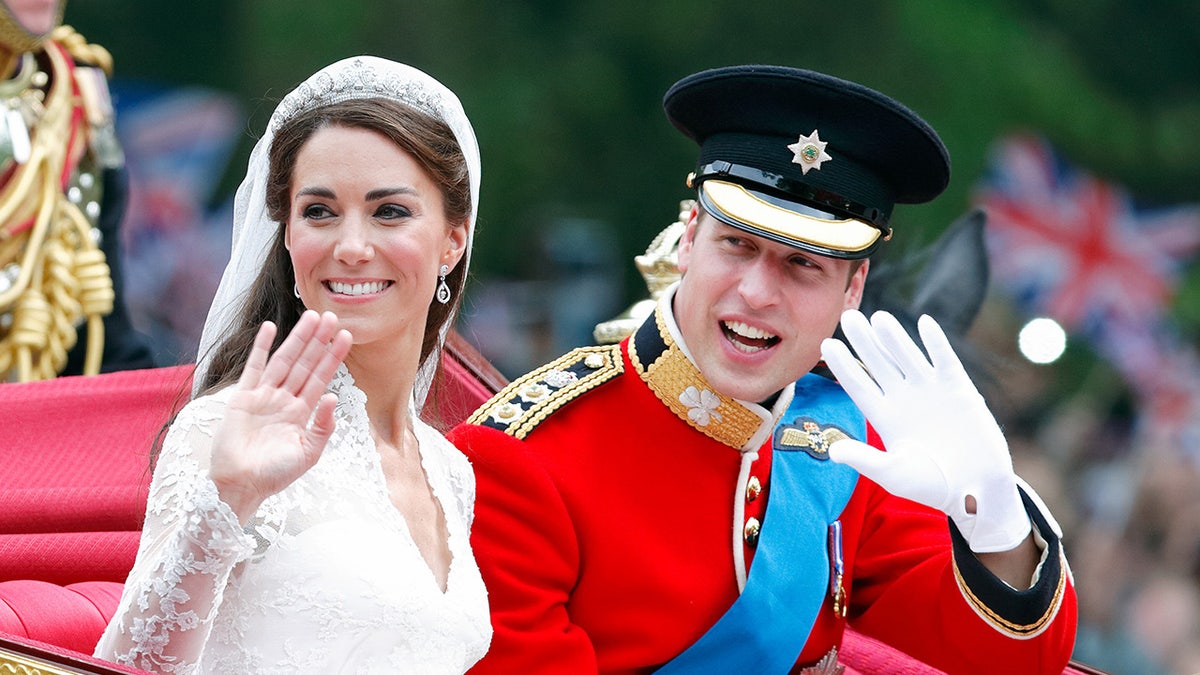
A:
(942, 442)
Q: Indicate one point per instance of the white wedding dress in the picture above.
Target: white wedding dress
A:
(325, 578)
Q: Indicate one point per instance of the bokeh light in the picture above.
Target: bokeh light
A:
(1042, 340)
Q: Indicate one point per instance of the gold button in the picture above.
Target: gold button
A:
(750, 532)
(593, 361)
(753, 488)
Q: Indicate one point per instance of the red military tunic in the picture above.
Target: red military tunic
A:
(611, 530)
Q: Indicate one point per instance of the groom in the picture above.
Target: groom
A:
(670, 502)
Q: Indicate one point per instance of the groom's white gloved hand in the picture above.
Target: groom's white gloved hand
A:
(943, 444)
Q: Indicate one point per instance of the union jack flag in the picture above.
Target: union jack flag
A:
(1075, 248)
(1067, 245)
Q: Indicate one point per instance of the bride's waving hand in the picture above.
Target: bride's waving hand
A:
(280, 416)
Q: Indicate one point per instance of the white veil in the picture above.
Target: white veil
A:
(353, 78)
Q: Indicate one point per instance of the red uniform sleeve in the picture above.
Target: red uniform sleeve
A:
(528, 554)
(918, 587)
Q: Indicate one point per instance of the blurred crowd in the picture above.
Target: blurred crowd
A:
(1126, 497)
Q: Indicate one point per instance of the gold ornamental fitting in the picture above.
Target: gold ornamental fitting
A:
(660, 268)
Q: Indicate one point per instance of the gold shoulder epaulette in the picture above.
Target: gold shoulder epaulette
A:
(522, 405)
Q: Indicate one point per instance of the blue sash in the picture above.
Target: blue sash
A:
(766, 628)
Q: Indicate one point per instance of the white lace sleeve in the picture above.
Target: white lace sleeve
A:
(190, 543)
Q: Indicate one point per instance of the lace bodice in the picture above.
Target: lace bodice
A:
(324, 578)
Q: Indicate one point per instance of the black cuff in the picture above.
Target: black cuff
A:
(1020, 613)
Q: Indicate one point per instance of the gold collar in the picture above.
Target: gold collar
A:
(676, 381)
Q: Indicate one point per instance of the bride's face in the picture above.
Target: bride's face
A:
(367, 234)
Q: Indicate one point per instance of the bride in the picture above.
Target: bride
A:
(301, 516)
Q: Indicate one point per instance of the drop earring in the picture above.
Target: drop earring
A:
(443, 291)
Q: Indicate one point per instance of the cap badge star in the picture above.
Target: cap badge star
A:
(809, 152)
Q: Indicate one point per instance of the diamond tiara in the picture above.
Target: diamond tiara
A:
(358, 79)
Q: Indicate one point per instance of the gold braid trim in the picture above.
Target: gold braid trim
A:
(1010, 628)
(527, 401)
(63, 278)
(81, 50)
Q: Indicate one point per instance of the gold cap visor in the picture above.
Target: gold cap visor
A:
(733, 204)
